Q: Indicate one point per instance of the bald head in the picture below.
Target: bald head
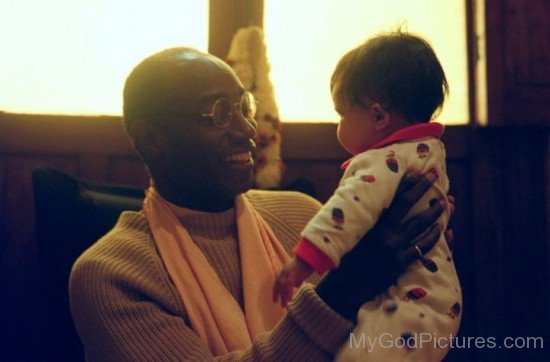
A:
(165, 80)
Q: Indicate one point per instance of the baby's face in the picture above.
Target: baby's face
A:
(356, 131)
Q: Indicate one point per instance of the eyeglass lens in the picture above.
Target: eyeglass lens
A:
(223, 110)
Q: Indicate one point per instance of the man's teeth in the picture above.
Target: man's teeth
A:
(239, 157)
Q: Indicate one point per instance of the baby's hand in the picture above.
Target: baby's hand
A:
(292, 275)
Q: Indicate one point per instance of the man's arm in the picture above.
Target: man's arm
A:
(125, 308)
(384, 252)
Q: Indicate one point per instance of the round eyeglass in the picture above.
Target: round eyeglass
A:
(222, 110)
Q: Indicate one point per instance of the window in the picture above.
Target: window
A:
(305, 40)
(72, 56)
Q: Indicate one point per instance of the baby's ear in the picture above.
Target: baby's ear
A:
(381, 117)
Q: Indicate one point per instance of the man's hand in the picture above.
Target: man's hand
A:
(385, 251)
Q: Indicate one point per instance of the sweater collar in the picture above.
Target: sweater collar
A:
(417, 131)
(218, 223)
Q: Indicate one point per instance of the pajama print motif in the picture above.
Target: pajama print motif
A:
(426, 300)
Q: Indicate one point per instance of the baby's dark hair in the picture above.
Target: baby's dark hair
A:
(398, 70)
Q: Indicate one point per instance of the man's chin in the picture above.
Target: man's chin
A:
(240, 186)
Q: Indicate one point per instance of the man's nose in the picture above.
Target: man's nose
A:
(241, 127)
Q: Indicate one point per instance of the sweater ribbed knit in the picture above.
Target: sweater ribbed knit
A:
(125, 306)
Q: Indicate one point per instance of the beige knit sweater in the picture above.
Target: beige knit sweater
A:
(125, 306)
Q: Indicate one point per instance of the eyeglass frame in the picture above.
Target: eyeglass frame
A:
(211, 115)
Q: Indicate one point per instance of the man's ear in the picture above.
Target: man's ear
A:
(381, 116)
(148, 139)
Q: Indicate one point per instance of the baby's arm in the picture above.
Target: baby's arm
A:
(344, 219)
(367, 188)
(292, 275)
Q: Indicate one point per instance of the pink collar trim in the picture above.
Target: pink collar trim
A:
(423, 130)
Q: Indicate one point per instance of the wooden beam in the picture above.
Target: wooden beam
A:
(226, 17)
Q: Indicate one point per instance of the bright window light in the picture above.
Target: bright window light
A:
(305, 39)
(72, 56)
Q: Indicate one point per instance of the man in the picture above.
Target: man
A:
(190, 276)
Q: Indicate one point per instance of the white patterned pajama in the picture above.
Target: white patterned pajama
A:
(412, 320)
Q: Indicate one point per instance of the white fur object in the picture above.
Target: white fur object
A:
(248, 57)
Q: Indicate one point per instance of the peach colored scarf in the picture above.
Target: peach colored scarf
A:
(213, 312)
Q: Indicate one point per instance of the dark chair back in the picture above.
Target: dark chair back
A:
(70, 215)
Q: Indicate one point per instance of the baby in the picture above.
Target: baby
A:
(386, 91)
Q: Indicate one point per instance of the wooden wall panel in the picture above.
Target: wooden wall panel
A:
(2, 174)
(528, 20)
(547, 178)
(18, 201)
(525, 243)
(93, 167)
(518, 61)
(226, 17)
(488, 248)
(510, 218)
(3, 209)
(63, 135)
(128, 171)
(302, 141)
(323, 174)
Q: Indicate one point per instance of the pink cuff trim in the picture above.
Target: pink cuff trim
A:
(308, 252)
(423, 130)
